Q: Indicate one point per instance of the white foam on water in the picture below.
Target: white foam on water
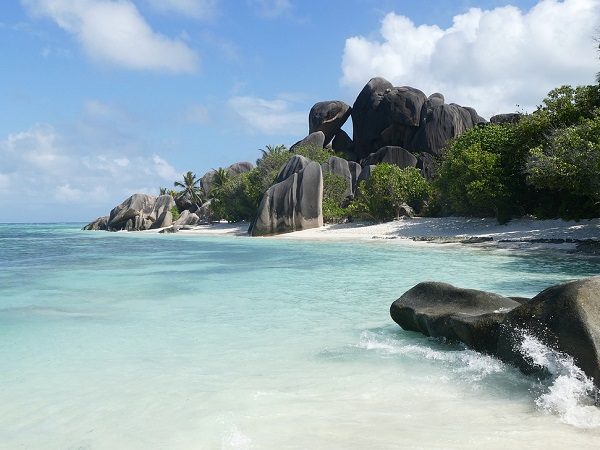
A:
(569, 394)
(234, 439)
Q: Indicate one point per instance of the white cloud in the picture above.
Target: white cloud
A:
(163, 169)
(271, 117)
(197, 9)
(46, 169)
(492, 60)
(116, 33)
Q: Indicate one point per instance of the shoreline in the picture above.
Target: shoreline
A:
(524, 233)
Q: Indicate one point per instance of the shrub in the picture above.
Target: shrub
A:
(382, 196)
(334, 197)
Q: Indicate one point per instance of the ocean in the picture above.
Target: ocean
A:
(147, 341)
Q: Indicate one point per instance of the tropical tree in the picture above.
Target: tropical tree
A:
(481, 173)
(220, 178)
(190, 186)
(389, 187)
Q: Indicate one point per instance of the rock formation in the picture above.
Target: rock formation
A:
(139, 212)
(296, 203)
(316, 139)
(339, 166)
(392, 155)
(328, 117)
(566, 318)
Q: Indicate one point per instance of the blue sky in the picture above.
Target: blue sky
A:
(101, 99)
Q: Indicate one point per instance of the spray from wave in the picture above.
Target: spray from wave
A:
(569, 393)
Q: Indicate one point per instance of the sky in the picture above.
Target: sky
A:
(101, 99)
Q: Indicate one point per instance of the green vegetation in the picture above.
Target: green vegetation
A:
(547, 165)
(334, 198)
(190, 187)
(383, 196)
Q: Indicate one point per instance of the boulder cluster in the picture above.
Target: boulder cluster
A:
(396, 125)
(564, 318)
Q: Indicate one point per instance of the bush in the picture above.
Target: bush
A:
(334, 198)
(481, 173)
(382, 196)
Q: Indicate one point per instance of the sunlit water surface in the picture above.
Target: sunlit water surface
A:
(125, 340)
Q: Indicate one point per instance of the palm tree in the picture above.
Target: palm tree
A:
(191, 187)
(220, 179)
(162, 191)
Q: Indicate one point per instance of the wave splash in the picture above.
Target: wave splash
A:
(568, 392)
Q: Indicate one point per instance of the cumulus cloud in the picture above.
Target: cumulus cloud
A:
(271, 117)
(46, 169)
(496, 60)
(197, 9)
(116, 33)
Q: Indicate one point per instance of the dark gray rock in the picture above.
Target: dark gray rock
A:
(187, 218)
(355, 170)
(293, 204)
(426, 164)
(404, 104)
(141, 212)
(476, 119)
(442, 310)
(295, 164)
(100, 224)
(403, 107)
(565, 317)
(328, 117)
(506, 118)
(315, 140)
(392, 155)
(344, 145)
(184, 203)
(365, 174)
(339, 166)
(370, 117)
(441, 123)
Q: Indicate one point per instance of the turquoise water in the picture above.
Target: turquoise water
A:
(125, 340)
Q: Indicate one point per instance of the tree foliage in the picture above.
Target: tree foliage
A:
(383, 195)
(191, 187)
(481, 172)
(334, 197)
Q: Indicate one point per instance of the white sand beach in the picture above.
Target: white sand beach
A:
(518, 233)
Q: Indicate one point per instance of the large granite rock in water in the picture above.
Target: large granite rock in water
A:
(139, 212)
(295, 203)
(100, 224)
(564, 318)
(328, 117)
(442, 310)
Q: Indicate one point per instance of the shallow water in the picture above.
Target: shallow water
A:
(124, 340)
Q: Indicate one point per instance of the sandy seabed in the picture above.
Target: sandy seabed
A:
(524, 233)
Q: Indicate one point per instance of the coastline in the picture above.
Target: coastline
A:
(523, 233)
